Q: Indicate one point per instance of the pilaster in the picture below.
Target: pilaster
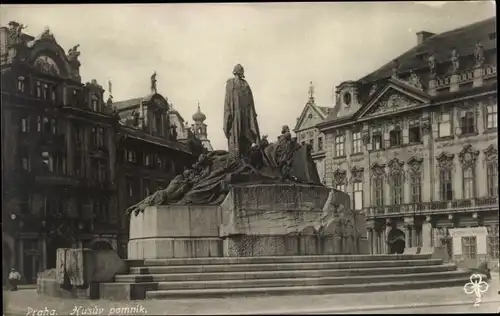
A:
(454, 85)
(478, 77)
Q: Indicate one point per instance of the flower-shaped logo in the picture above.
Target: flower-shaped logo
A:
(476, 286)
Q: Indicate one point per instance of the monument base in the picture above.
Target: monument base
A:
(253, 220)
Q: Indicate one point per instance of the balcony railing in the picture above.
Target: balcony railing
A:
(433, 207)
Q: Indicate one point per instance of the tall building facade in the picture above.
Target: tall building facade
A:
(415, 143)
(65, 154)
(308, 134)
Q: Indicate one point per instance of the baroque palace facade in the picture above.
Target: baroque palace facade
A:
(415, 143)
(72, 163)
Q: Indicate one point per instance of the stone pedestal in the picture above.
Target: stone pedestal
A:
(478, 77)
(253, 220)
(454, 85)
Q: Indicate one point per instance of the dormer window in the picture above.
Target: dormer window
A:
(20, 84)
(347, 99)
(94, 103)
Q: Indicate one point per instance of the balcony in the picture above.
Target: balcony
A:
(436, 207)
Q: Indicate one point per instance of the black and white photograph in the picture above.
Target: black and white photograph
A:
(260, 158)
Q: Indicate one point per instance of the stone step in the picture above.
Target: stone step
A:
(276, 259)
(304, 290)
(264, 283)
(139, 278)
(281, 266)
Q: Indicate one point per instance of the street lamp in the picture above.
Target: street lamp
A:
(13, 217)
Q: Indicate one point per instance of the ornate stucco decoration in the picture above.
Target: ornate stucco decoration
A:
(432, 65)
(426, 125)
(47, 65)
(15, 33)
(393, 103)
(445, 160)
(479, 54)
(357, 174)
(455, 61)
(396, 167)
(414, 80)
(73, 53)
(468, 156)
(415, 165)
(395, 68)
(378, 171)
(340, 177)
(47, 35)
(373, 90)
(491, 154)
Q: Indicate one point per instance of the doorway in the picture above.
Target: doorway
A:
(396, 241)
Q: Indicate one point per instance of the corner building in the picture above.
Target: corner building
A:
(65, 155)
(415, 144)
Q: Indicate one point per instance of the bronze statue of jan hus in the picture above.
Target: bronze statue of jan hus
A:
(240, 119)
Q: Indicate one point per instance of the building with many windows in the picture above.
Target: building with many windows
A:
(308, 134)
(415, 143)
(66, 154)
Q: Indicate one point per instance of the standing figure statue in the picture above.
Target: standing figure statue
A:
(153, 83)
(240, 119)
(455, 61)
(479, 54)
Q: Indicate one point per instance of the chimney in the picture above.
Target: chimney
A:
(423, 36)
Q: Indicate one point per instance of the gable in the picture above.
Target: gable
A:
(310, 116)
(390, 100)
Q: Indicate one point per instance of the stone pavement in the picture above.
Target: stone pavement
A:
(412, 301)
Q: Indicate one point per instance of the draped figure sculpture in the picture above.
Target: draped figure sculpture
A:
(240, 119)
(249, 159)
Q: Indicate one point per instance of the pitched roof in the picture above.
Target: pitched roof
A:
(463, 39)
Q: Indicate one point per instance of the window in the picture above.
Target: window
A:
(339, 145)
(416, 188)
(78, 133)
(131, 156)
(159, 162)
(340, 187)
(491, 116)
(414, 132)
(45, 91)
(101, 174)
(158, 123)
(78, 165)
(53, 94)
(493, 242)
(444, 124)
(446, 187)
(94, 102)
(377, 138)
(397, 189)
(47, 161)
(20, 84)
(39, 124)
(320, 143)
(38, 89)
(395, 137)
(25, 163)
(358, 195)
(311, 143)
(467, 122)
(145, 188)
(492, 179)
(53, 125)
(147, 160)
(25, 124)
(74, 98)
(378, 188)
(100, 136)
(469, 183)
(357, 143)
(469, 247)
(130, 186)
(492, 36)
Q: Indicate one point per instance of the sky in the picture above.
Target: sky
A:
(282, 46)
